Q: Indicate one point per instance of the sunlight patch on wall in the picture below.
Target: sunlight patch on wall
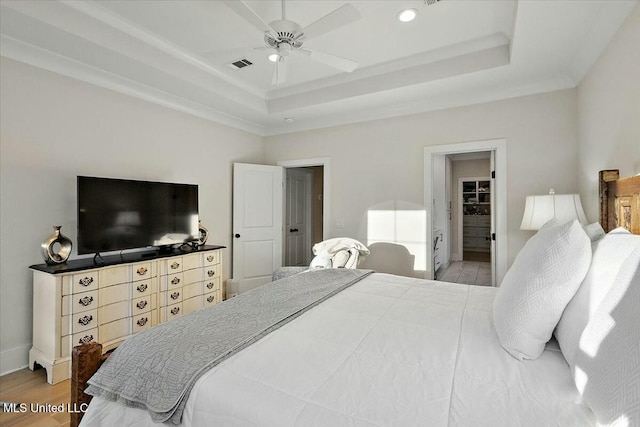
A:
(402, 227)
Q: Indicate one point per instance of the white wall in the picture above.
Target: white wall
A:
(54, 128)
(378, 165)
(609, 113)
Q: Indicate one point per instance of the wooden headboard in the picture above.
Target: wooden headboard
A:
(619, 201)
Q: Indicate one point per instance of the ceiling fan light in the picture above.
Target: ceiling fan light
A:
(273, 57)
(407, 15)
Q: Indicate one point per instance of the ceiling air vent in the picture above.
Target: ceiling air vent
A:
(430, 2)
(240, 63)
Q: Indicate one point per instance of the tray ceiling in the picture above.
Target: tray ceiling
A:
(177, 54)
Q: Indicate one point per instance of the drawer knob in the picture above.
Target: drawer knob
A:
(142, 321)
(85, 320)
(85, 339)
(85, 281)
(141, 304)
(142, 271)
(85, 301)
(142, 287)
(175, 281)
(210, 298)
(210, 258)
(175, 310)
(175, 295)
(211, 273)
(175, 265)
(210, 285)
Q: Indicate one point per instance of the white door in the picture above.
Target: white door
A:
(297, 230)
(257, 223)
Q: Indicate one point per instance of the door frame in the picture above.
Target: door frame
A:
(325, 162)
(499, 147)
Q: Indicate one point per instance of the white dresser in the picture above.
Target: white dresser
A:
(79, 301)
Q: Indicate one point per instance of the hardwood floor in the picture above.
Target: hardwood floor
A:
(29, 387)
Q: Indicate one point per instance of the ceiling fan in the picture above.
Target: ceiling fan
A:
(286, 37)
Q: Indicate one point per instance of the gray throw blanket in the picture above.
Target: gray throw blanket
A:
(156, 369)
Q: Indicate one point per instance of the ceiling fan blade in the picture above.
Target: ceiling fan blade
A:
(280, 71)
(343, 15)
(334, 61)
(239, 7)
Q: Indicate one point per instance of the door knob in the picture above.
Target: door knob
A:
(237, 236)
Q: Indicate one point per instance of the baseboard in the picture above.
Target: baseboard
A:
(14, 359)
(456, 257)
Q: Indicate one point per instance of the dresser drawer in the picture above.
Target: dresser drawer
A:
(469, 220)
(70, 341)
(114, 275)
(170, 312)
(483, 220)
(113, 312)
(144, 321)
(144, 287)
(172, 281)
(171, 265)
(212, 298)
(212, 284)
(143, 304)
(141, 271)
(211, 258)
(211, 271)
(78, 303)
(192, 276)
(192, 261)
(85, 281)
(113, 294)
(192, 290)
(192, 304)
(84, 321)
(114, 330)
(171, 297)
(470, 242)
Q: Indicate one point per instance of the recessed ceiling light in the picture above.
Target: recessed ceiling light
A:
(273, 57)
(407, 15)
(288, 119)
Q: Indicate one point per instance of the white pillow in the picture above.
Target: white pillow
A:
(594, 231)
(609, 253)
(607, 369)
(536, 289)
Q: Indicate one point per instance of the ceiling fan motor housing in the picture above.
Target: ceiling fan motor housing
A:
(288, 32)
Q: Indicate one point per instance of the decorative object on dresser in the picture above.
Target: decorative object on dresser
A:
(56, 248)
(204, 234)
(80, 301)
(561, 207)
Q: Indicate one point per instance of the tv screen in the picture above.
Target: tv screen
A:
(117, 214)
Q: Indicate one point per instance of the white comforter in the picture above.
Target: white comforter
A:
(388, 351)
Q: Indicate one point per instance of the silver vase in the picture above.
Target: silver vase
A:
(204, 234)
(56, 241)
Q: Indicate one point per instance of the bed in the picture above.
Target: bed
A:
(385, 350)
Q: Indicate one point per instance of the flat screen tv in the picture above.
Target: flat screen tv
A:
(118, 214)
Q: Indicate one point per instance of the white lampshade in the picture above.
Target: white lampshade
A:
(540, 209)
